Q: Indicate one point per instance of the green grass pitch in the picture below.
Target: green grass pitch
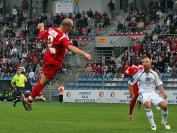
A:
(52, 117)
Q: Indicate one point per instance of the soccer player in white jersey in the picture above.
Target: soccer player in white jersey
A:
(148, 80)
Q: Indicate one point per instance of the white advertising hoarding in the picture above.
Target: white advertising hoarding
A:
(99, 96)
(107, 96)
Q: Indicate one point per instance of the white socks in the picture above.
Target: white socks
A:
(164, 115)
(150, 116)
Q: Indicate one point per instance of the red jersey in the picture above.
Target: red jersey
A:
(141, 67)
(57, 42)
(132, 70)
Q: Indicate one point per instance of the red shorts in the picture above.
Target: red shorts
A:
(50, 67)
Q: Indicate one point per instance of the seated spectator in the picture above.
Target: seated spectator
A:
(111, 71)
(105, 71)
(112, 62)
(98, 71)
(119, 68)
(94, 70)
(89, 70)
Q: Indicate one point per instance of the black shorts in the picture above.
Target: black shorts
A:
(19, 91)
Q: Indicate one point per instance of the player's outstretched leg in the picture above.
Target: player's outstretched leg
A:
(164, 113)
(150, 117)
(130, 115)
(40, 97)
(132, 105)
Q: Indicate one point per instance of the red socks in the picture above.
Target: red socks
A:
(132, 104)
(39, 94)
(36, 90)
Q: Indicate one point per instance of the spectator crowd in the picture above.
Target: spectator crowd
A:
(19, 45)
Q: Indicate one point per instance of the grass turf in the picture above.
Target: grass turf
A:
(52, 117)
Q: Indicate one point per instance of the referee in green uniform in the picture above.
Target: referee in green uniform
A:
(18, 83)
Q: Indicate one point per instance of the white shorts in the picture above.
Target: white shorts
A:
(153, 97)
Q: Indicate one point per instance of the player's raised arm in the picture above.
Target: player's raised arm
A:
(79, 51)
(41, 28)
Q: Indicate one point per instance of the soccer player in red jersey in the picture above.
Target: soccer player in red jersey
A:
(58, 42)
(131, 71)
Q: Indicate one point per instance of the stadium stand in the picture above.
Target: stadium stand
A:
(19, 46)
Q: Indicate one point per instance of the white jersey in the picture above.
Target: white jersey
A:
(147, 81)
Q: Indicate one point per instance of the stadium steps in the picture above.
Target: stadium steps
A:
(52, 87)
(112, 83)
(51, 93)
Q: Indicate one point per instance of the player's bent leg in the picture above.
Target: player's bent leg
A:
(163, 105)
(150, 115)
(40, 98)
(39, 86)
(164, 113)
(132, 105)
